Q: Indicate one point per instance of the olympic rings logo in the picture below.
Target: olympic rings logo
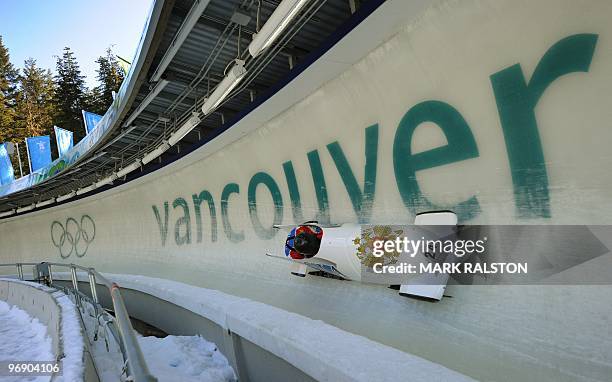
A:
(73, 236)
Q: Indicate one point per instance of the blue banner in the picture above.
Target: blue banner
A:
(39, 152)
(64, 139)
(91, 120)
(107, 123)
(6, 167)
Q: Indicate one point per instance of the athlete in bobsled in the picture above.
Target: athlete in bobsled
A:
(325, 248)
(332, 249)
(304, 241)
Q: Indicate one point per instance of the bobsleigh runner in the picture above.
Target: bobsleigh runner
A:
(330, 250)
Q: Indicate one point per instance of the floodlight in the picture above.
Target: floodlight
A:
(232, 78)
(156, 153)
(282, 16)
(192, 122)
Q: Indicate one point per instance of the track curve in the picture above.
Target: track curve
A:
(443, 114)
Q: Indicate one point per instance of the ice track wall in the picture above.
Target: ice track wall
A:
(498, 110)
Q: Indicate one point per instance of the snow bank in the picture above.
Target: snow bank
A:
(108, 362)
(186, 359)
(23, 338)
(71, 336)
(169, 359)
(72, 339)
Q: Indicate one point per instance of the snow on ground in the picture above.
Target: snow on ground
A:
(71, 336)
(23, 338)
(108, 362)
(185, 358)
(72, 339)
(173, 358)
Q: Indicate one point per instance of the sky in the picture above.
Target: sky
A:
(40, 29)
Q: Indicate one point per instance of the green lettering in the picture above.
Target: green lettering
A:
(185, 220)
(268, 181)
(234, 237)
(362, 201)
(516, 101)
(163, 228)
(294, 193)
(461, 146)
(207, 197)
(319, 184)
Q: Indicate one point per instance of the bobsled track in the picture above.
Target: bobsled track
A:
(497, 110)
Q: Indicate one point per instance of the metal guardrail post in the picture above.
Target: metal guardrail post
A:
(92, 284)
(73, 276)
(136, 362)
(50, 275)
(75, 285)
(137, 366)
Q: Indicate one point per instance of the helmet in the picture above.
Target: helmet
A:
(304, 241)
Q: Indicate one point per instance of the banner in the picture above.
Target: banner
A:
(64, 139)
(39, 151)
(91, 120)
(105, 125)
(6, 167)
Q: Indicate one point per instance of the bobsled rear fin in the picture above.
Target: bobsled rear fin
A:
(310, 222)
(436, 218)
(284, 226)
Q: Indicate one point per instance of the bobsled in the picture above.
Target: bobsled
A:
(325, 248)
(330, 249)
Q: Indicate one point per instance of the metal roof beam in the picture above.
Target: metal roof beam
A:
(190, 21)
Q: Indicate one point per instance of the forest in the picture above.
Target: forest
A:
(34, 99)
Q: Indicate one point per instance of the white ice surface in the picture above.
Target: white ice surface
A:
(22, 338)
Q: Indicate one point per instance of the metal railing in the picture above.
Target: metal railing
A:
(137, 369)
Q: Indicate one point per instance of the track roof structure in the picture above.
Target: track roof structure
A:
(185, 51)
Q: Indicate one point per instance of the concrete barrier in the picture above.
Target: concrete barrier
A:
(261, 342)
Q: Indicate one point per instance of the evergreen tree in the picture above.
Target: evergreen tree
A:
(8, 90)
(9, 78)
(69, 94)
(35, 107)
(110, 76)
(94, 102)
(31, 103)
